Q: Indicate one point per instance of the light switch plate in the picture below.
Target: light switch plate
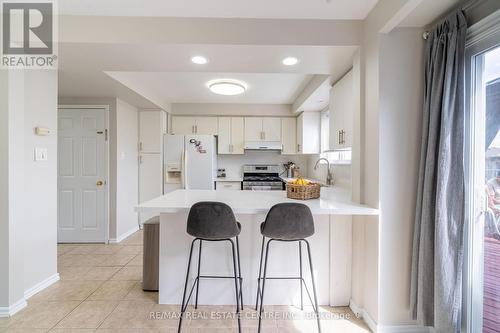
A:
(41, 154)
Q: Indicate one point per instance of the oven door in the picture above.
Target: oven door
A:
(262, 186)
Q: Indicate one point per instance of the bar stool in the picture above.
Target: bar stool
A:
(287, 222)
(213, 222)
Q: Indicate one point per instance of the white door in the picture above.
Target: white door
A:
(224, 138)
(272, 129)
(183, 125)
(150, 180)
(253, 129)
(237, 135)
(152, 125)
(82, 176)
(206, 126)
(482, 157)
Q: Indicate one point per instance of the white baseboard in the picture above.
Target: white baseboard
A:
(41, 286)
(13, 309)
(386, 329)
(362, 313)
(123, 236)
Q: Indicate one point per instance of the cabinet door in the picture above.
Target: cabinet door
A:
(183, 125)
(341, 113)
(150, 179)
(206, 125)
(224, 139)
(300, 133)
(253, 129)
(237, 135)
(310, 132)
(272, 129)
(289, 135)
(151, 130)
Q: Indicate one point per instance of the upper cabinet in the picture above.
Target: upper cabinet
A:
(262, 129)
(231, 135)
(289, 135)
(309, 133)
(194, 125)
(341, 113)
(152, 127)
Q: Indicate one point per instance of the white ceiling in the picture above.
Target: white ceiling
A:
(283, 9)
(164, 73)
(427, 12)
(191, 87)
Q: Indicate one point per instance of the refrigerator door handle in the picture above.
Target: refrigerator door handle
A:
(184, 169)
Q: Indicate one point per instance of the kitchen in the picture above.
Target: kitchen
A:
(249, 163)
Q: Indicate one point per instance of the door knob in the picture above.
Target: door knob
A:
(100, 183)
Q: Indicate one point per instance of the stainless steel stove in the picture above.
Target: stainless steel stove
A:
(262, 178)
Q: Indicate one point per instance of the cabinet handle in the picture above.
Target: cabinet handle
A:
(298, 147)
(340, 137)
(140, 146)
(140, 159)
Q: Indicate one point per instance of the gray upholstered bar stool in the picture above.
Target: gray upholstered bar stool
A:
(287, 222)
(213, 222)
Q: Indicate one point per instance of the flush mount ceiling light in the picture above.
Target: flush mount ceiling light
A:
(199, 60)
(290, 61)
(228, 87)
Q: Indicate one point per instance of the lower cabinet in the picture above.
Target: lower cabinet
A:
(228, 186)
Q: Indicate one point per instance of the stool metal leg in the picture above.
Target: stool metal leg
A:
(260, 274)
(239, 271)
(316, 308)
(236, 286)
(301, 279)
(198, 277)
(260, 313)
(183, 305)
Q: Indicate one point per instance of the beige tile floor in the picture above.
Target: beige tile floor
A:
(100, 291)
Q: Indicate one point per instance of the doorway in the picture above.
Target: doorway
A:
(483, 186)
(82, 174)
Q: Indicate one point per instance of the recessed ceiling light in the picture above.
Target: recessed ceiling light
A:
(228, 87)
(199, 60)
(290, 61)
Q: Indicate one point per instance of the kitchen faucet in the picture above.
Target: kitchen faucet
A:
(329, 178)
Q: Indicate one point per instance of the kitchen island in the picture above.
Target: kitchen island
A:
(331, 247)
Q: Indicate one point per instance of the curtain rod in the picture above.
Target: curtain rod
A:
(465, 7)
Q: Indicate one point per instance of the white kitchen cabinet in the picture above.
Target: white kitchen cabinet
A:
(194, 125)
(206, 125)
(150, 179)
(289, 136)
(231, 138)
(253, 129)
(341, 113)
(309, 133)
(262, 129)
(183, 125)
(228, 186)
(152, 127)
(272, 129)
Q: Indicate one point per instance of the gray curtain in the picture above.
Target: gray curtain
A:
(436, 284)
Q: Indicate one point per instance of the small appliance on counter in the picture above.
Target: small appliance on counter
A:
(262, 178)
(221, 173)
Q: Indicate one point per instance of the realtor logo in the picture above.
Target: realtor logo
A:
(28, 35)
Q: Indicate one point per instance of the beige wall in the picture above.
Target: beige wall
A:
(127, 172)
(28, 191)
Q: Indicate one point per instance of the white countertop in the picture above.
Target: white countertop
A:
(229, 179)
(335, 201)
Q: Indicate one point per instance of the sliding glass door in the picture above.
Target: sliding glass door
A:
(482, 244)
